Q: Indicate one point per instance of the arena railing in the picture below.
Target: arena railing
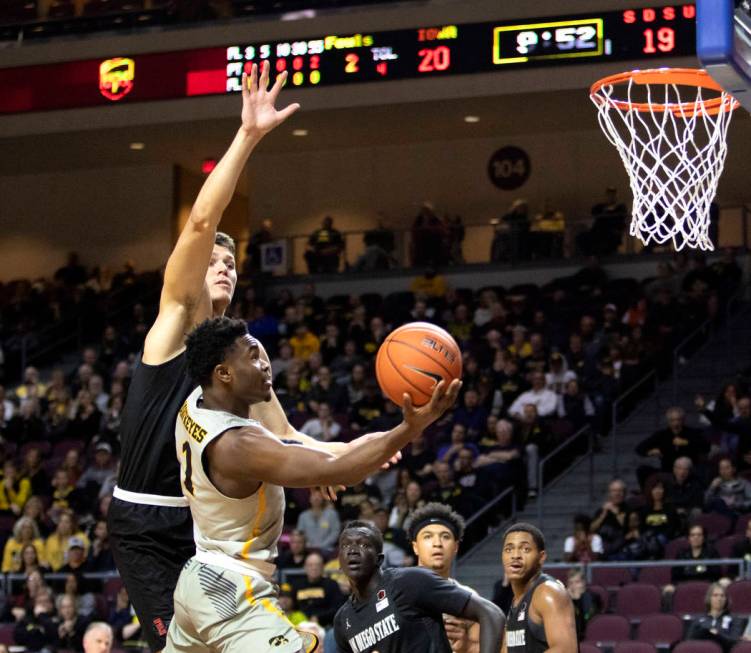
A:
(743, 566)
(588, 455)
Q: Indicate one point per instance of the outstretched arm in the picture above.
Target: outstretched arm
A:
(255, 453)
(185, 299)
(491, 620)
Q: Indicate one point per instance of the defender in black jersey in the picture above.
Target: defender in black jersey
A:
(435, 532)
(542, 615)
(400, 610)
(149, 519)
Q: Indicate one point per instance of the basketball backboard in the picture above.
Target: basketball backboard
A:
(723, 43)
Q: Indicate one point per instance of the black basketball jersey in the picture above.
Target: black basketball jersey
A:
(522, 634)
(147, 433)
(404, 614)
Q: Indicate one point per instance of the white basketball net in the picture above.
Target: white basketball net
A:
(673, 155)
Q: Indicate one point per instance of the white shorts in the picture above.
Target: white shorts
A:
(226, 612)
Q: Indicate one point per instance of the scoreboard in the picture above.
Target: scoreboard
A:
(359, 57)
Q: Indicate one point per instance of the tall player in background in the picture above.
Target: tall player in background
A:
(541, 618)
(150, 525)
(435, 532)
(234, 472)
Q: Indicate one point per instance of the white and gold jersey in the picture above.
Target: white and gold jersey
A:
(238, 534)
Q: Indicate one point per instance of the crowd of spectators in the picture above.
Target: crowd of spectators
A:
(539, 364)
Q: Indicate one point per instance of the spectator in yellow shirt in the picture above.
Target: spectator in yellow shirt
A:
(304, 343)
(15, 490)
(431, 284)
(31, 387)
(25, 532)
(58, 543)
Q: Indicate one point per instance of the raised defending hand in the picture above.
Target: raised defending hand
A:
(259, 113)
(443, 398)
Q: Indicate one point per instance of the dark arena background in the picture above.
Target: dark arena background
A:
(446, 166)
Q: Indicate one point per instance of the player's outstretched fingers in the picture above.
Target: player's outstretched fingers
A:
(264, 81)
(253, 85)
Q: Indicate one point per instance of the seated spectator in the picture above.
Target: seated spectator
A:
(675, 441)
(473, 479)
(718, 625)
(660, 522)
(583, 546)
(30, 561)
(697, 551)
(448, 490)
(396, 549)
(316, 596)
(369, 407)
(287, 604)
(15, 490)
(685, 491)
(509, 381)
(430, 284)
(544, 400)
(320, 523)
(575, 406)
(610, 521)
(26, 425)
(25, 532)
(64, 495)
(293, 557)
(608, 226)
(405, 504)
(559, 375)
(304, 343)
(325, 390)
(728, 494)
(95, 475)
(34, 509)
(124, 622)
(325, 246)
(98, 638)
(323, 427)
(37, 628)
(417, 458)
(586, 604)
(533, 436)
(471, 414)
(73, 465)
(84, 416)
(34, 471)
(57, 544)
(501, 460)
(100, 553)
(71, 625)
(77, 588)
(448, 452)
(353, 496)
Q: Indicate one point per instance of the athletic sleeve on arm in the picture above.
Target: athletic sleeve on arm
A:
(431, 593)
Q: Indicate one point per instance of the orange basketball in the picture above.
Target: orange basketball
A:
(414, 359)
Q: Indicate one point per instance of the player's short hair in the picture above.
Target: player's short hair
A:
(436, 513)
(225, 240)
(373, 533)
(525, 527)
(208, 345)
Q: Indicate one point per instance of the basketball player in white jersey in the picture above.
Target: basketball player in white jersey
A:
(233, 473)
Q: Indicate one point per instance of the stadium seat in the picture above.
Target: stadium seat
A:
(611, 577)
(559, 573)
(673, 547)
(697, 646)
(44, 448)
(586, 647)
(6, 634)
(608, 628)
(112, 587)
(739, 594)
(603, 594)
(742, 524)
(62, 447)
(689, 597)
(726, 544)
(741, 647)
(660, 629)
(637, 600)
(634, 647)
(659, 576)
(715, 524)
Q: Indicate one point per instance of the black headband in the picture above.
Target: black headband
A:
(427, 521)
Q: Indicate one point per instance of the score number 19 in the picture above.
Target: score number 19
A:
(665, 40)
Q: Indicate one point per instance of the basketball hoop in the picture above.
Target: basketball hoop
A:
(673, 149)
